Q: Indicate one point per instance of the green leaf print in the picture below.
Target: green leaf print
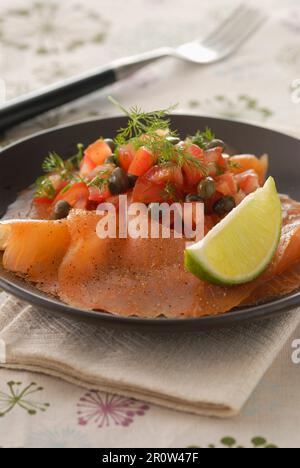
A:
(20, 396)
(229, 442)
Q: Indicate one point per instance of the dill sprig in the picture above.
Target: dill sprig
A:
(44, 188)
(201, 139)
(156, 126)
(140, 122)
(100, 180)
(55, 164)
(65, 169)
(77, 158)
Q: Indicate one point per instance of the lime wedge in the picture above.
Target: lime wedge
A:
(243, 244)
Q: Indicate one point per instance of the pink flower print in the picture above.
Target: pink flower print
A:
(105, 410)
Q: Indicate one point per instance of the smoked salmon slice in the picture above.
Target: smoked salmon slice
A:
(279, 286)
(35, 250)
(136, 277)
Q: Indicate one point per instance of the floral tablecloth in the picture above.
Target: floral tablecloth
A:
(42, 41)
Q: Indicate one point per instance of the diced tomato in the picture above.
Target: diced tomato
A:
(77, 195)
(98, 195)
(215, 161)
(248, 181)
(245, 162)
(226, 184)
(86, 166)
(103, 172)
(98, 152)
(95, 155)
(142, 162)
(42, 200)
(214, 155)
(125, 156)
(192, 171)
(152, 187)
(196, 151)
(94, 193)
(57, 182)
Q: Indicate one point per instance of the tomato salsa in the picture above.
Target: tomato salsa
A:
(150, 163)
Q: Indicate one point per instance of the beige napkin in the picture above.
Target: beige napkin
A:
(210, 373)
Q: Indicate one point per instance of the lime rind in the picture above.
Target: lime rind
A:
(235, 251)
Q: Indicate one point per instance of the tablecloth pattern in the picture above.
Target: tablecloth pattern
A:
(42, 41)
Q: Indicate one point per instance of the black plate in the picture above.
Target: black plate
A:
(20, 165)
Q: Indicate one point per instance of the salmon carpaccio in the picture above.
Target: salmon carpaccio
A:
(136, 277)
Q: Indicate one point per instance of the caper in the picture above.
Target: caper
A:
(193, 198)
(111, 144)
(173, 140)
(118, 182)
(132, 180)
(61, 209)
(206, 188)
(113, 159)
(224, 205)
(215, 144)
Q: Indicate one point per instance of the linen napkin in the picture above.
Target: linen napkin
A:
(209, 373)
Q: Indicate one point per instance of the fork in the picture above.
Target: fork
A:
(220, 44)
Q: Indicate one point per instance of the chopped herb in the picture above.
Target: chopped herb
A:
(53, 163)
(44, 188)
(140, 122)
(65, 169)
(187, 157)
(78, 157)
(153, 124)
(66, 188)
(202, 138)
(100, 181)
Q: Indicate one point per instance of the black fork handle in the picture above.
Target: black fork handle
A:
(26, 107)
(29, 106)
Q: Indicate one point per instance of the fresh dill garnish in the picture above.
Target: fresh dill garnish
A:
(66, 188)
(44, 188)
(201, 139)
(78, 157)
(54, 163)
(151, 129)
(65, 169)
(140, 122)
(186, 157)
(100, 181)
